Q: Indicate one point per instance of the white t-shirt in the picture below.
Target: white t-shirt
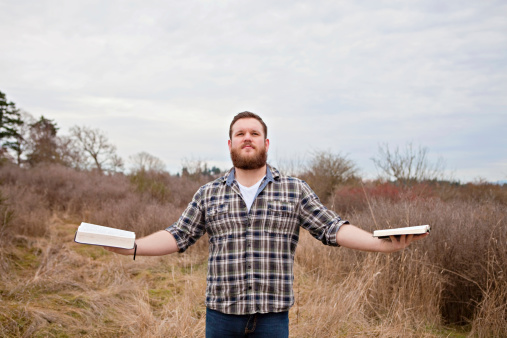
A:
(249, 193)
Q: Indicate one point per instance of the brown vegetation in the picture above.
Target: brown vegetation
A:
(452, 283)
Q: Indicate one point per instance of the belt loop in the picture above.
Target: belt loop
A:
(247, 329)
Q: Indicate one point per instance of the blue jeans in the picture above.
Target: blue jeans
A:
(221, 325)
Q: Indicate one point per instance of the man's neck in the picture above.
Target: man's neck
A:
(248, 178)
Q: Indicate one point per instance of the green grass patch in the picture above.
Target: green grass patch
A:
(24, 259)
(92, 251)
(160, 297)
(53, 330)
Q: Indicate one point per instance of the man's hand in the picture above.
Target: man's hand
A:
(398, 243)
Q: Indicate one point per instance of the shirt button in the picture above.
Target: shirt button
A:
(249, 288)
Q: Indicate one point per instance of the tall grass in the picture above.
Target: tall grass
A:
(453, 281)
(460, 248)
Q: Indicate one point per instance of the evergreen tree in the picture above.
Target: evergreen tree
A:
(10, 122)
(44, 142)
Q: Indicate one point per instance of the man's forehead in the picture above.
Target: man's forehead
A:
(247, 123)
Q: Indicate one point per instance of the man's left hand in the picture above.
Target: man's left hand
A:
(398, 243)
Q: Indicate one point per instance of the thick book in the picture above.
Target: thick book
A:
(100, 235)
(414, 230)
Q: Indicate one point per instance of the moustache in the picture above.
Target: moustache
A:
(247, 145)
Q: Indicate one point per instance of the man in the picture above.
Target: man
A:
(253, 215)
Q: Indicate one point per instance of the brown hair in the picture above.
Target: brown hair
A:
(248, 115)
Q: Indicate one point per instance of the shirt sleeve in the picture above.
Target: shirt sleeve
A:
(322, 223)
(190, 226)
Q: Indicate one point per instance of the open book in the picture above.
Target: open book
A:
(99, 235)
(414, 230)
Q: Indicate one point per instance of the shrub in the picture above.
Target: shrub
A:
(22, 210)
(155, 184)
(481, 192)
(326, 171)
(350, 198)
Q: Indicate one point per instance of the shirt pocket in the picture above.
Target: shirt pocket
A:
(280, 217)
(216, 219)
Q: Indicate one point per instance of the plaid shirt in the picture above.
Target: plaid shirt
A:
(251, 254)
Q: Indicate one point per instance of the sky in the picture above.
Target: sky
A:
(167, 77)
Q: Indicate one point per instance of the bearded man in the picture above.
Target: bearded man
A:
(253, 215)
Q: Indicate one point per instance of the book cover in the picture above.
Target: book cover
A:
(88, 233)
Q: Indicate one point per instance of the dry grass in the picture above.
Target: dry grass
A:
(50, 286)
(55, 287)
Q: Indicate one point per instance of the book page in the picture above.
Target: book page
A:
(98, 229)
(418, 229)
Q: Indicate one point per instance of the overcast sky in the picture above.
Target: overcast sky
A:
(167, 77)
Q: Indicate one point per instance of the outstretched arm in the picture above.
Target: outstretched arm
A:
(157, 244)
(350, 236)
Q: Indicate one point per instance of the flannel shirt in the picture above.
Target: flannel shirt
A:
(251, 254)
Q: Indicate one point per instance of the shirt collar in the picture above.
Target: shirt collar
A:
(271, 174)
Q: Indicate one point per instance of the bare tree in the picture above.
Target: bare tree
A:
(197, 169)
(193, 168)
(95, 144)
(407, 165)
(291, 165)
(326, 171)
(71, 154)
(116, 163)
(144, 161)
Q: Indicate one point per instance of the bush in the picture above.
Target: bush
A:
(326, 171)
(152, 183)
(480, 192)
(22, 209)
(350, 198)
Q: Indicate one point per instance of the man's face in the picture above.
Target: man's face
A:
(248, 148)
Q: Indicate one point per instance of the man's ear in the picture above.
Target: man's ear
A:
(230, 145)
(266, 143)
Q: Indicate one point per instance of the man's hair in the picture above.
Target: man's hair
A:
(248, 115)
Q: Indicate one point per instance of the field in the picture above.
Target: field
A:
(452, 284)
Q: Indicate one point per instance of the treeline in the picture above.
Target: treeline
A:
(28, 142)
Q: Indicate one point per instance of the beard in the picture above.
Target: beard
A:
(255, 161)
